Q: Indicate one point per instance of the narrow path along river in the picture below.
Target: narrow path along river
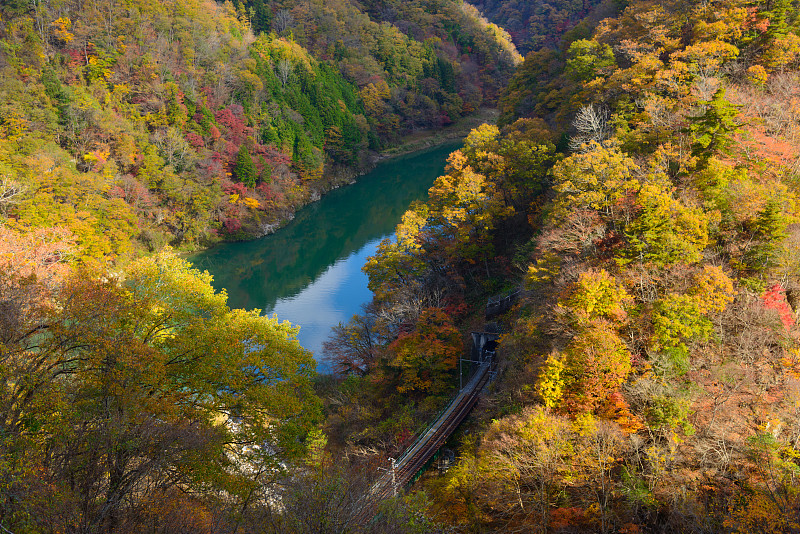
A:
(309, 272)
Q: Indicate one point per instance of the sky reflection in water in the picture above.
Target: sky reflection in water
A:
(309, 272)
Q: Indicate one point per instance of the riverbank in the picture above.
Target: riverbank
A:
(414, 142)
(341, 176)
(309, 272)
(431, 138)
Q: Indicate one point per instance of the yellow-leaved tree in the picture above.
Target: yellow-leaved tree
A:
(137, 384)
(598, 179)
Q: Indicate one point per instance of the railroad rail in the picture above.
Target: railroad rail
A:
(500, 304)
(407, 468)
(413, 461)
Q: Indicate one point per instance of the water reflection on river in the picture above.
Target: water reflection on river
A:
(309, 272)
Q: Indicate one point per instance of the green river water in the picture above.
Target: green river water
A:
(309, 272)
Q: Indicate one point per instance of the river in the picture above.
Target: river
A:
(309, 272)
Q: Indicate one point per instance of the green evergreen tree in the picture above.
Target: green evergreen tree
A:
(779, 15)
(303, 153)
(262, 17)
(769, 231)
(244, 170)
(712, 132)
(269, 136)
(447, 76)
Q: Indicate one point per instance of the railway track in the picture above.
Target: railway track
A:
(404, 470)
(422, 450)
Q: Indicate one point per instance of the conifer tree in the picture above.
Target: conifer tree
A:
(712, 132)
(244, 170)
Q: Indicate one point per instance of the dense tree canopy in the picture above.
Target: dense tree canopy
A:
(656, 240)
(639, 196)
(131, 123)
(118, 391)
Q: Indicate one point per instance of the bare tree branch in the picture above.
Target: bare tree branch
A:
(591, 124)
(11, 192)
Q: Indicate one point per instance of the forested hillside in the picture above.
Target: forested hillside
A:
(538, 24)
(136, 124)
(132, 398)
(642, 191)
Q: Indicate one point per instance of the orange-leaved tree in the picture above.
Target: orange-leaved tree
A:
(426, 356)
(597, 362)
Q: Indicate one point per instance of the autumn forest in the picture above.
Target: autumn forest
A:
(638, 194)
